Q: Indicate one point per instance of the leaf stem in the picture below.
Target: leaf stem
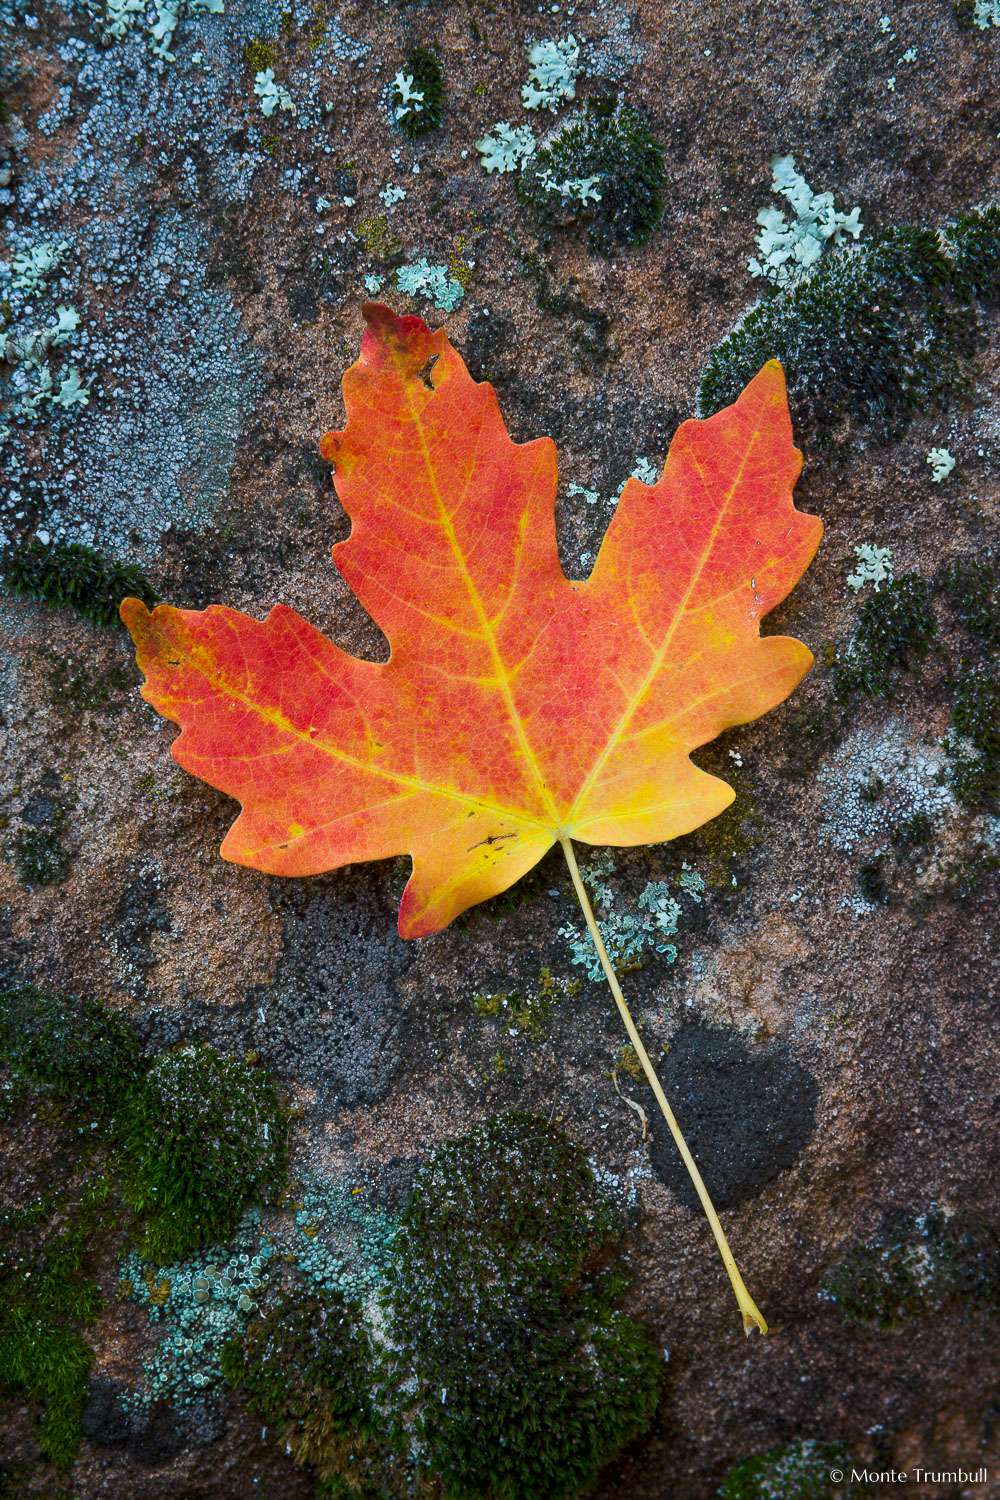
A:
(751, 1317)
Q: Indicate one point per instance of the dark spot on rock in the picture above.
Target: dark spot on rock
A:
(140, 913)
(41, 811)
(104, 1422)
(488, 340)
(747, 1112)
(344, 183)
(387, 1184)
(152, 1437)
(303, 304)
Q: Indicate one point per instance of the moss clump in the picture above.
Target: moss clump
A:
(974, 244)
(422, 72)
(879, 331)
(527, 1014)
(46, 1299)
(896, 628)
(925, 1263)
(201, 1136)
(800, 1471)
(306, 1369)
(602, 167)
(973, 590)
(528, 1378)
(975, 755)
(70, 574)
(40, 857)
(76, 1047)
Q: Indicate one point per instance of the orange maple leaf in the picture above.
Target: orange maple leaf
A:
(517, 707)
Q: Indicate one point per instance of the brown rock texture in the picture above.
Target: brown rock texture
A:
(830, 1037)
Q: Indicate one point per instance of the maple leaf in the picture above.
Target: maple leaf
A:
(517, 707)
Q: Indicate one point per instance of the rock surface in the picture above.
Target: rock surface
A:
(829, 1036)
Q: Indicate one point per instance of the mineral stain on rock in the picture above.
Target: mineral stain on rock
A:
(747, 1112)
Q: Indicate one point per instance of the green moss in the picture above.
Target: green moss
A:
(306, 1369)
(895, 630)
(800, 1471)
(528, 1378)
(878, 331)
(725, 844)
(259, 55)
(972, 589)
(975, 754)
(202, 1136)
(47, 1298)
(74, 1046)
(40, 857)
(607, 144)
(974, 245)
(526, 1014)
(928, 1261)
(68, 574)
(421, 65)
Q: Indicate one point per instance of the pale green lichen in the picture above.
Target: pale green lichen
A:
(941, 463)
(507, 148)
(787, 249)
(432, 282)
(555, 66)
(630, 939)
(873, 565)
(272, 95)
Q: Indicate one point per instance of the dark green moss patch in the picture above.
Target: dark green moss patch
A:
(191, 1136)
(76, 1047)
(895, 631)
(601, 167)
(975, 753)
(202, 1136)
(46, 1299)
(40, 856)
(880, 330)
(306, 1369)
(800, 1471)
(747, 1111)
(917, 1269)
(414, 116)
(502, 1302)
(70, 575)
(972, 590)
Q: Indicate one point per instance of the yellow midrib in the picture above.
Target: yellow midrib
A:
(637, 697)
(481, 615)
